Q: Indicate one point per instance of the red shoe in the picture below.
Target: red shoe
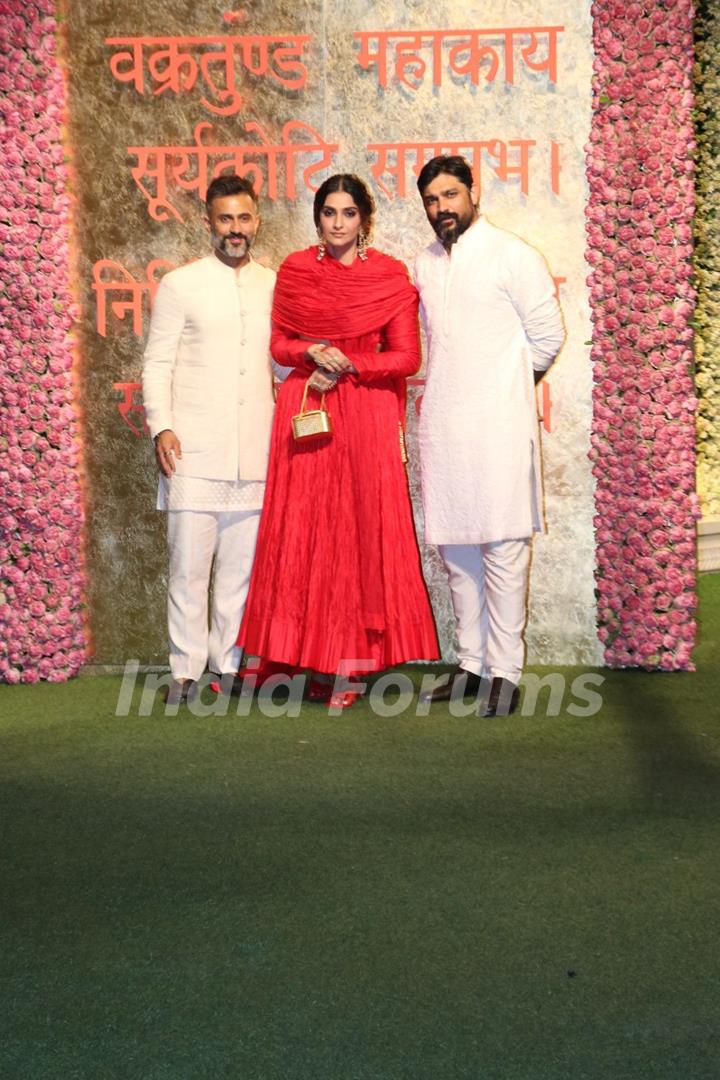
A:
(343, 699)
(227, 685)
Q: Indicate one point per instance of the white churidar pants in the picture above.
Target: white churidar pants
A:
(195, 537)
(488, 586)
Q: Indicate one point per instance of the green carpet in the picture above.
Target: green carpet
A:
(363, 898)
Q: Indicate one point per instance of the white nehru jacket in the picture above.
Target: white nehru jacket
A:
(491, 317)
(207, 373)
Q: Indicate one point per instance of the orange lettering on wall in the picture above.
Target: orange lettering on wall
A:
(175, 64)
(397, 54)
(508, 160)
(129, 291)
(545, 409)
(128, 405)
(163, 170)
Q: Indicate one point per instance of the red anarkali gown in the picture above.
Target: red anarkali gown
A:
(337, 582)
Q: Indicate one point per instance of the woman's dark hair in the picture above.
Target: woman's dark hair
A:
(354, 187)
(453, 164)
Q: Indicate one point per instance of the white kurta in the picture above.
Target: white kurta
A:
(491, 317)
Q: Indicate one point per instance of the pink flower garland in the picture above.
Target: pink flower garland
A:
(640, 172)
(41, 522)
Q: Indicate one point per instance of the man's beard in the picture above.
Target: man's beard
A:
(222, 244)
(450, 227)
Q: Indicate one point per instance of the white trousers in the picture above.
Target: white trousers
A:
(195, 538)
(488, 585)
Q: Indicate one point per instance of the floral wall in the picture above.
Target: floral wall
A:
(707, 252)
(640, 211)
(42, 623)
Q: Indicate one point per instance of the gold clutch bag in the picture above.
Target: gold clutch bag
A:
(312, 423)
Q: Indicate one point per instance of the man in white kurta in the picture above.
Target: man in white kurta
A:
(207, 387)
(494, 327)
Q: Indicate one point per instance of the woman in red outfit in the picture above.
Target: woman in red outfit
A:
(337, 585)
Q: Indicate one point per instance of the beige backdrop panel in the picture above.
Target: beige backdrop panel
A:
(347, 107)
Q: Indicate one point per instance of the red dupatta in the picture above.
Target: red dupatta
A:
(326, 299)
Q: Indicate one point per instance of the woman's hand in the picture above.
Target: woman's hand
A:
(315, 351)
(319, 381)
(330, 358)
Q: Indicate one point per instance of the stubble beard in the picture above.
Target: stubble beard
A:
(222, 244)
